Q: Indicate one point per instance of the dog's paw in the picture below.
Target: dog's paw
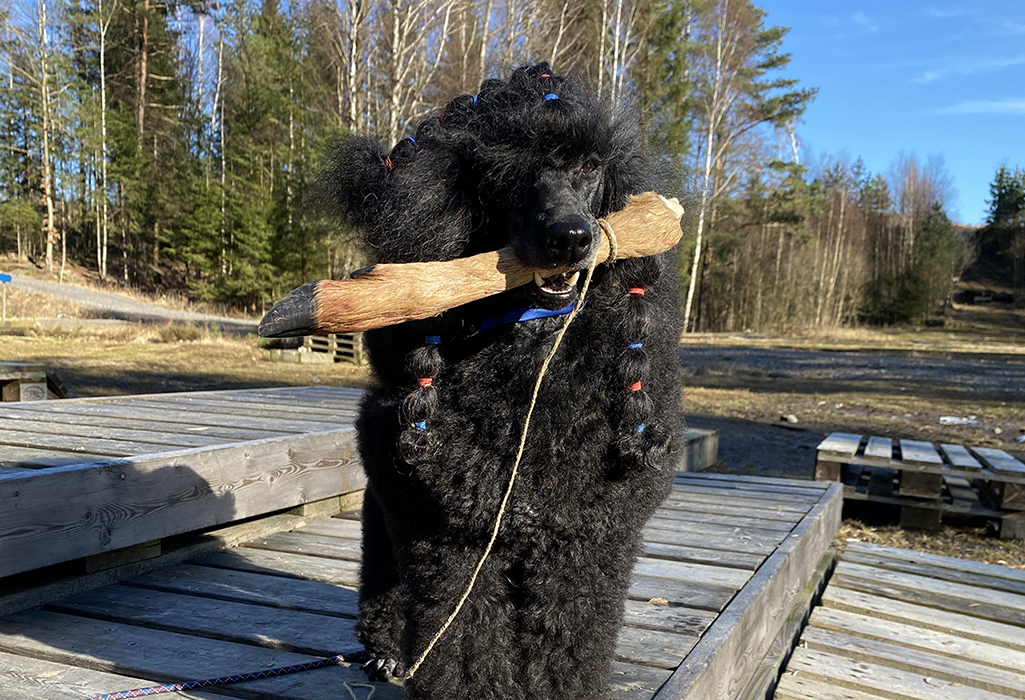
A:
(384, 670)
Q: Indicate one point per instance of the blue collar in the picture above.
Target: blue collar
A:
(522, 313)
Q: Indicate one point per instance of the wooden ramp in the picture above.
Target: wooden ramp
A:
(903, 625)
(727, 573)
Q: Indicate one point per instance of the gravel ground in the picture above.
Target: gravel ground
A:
(114, 306)
(996, 379)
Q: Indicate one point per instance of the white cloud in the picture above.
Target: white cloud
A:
(862, 19)
(992, 107)
(970, 66)
(1011, 28)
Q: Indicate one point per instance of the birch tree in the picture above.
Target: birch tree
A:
(733, 97)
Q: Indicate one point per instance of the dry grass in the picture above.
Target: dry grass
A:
(23, 305)
(966, 543)
(135, 360)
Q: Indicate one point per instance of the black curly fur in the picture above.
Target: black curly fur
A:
(509, 167)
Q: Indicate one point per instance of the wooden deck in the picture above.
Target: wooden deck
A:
(900, 624)
(135, 469)
(730, 564)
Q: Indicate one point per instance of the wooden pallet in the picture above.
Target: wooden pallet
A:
(927, 481)
(343, 347)
(900, 624)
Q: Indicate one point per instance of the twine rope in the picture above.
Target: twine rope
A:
(613, 249)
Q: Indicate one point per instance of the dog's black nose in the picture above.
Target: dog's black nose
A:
(569, 242)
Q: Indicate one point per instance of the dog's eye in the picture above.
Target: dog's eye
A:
(589, 167)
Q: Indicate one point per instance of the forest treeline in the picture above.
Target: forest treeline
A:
(175, 145)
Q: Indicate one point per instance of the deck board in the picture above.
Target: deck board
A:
(721, 565)
(896, 623)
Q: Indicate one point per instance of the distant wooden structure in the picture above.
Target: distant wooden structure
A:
(131, 521)
(927, 481)
(20, 381)
(340, 347)
(900, 624)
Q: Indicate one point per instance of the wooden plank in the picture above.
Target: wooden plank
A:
(772, 514)
(681, 620)
(118, 504)
(634, 682)
(33, 458)
(840, 444)
(175, 439)
(278, 628)
(766, 480)
(129, 413)
(947, 644)
(240, 408)
(924, 616)
(721, 542)
(156, 426)
(888, 554)
(75, 444)
(652, 647)
(916, 452)
(963, 498)
(960, 457)
(808, 494)
(335, 571)
(170, 656)
(700, 555)
(879, 448)
(794, 686)
(691, 595)
(989, 604)
(999, 461)
(312, 545)
(692, 573)
(334, 527)
(257, 588)
(686, 516)
(876, 678)
(25, 678)
(768, 537)
(719, 666)
(733, 498)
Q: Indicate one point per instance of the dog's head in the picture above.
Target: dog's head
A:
(531, 162)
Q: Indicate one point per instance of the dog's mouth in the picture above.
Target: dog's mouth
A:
(560, 287)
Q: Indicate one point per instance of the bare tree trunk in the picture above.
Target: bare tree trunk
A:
(49, 229)
(101, 249)
(140, 115)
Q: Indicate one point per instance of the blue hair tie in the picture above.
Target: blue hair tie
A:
(639, 428)
(433, 340)
(413, 141)
(474, 100)
(551, 96)
(421, 425)
(635, 346)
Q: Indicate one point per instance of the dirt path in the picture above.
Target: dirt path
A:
(114, 306)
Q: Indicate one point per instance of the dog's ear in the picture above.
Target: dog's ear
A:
(623, 177)
(354, 180)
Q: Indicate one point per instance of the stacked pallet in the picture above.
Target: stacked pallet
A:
(927, 481)
(341, 347)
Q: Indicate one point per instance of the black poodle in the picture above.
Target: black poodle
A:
(531, 163)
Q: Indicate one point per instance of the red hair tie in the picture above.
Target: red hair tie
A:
(637, 291)
(636, 386)
(425, 381)
(387, 161)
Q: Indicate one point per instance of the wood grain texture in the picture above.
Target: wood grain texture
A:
(120, 503)
(393, 293)
(719, 665)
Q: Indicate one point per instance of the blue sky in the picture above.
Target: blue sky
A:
(927, 78)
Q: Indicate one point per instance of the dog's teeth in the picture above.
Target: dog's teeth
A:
(538, 279)
(573, 278)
